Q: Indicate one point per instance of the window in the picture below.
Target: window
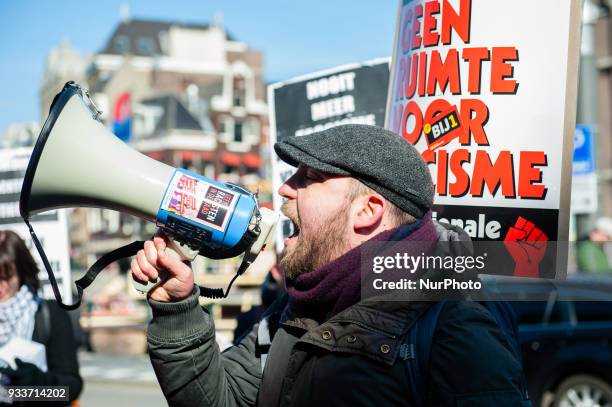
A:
(238, 132)
(122, 44)
(230, 169)
(145, 119)
(146, 46)
(250, 170)
(592, 311)
(187, 164)
(529, 312)
(239, 91)
(251, 127)
(539, 312)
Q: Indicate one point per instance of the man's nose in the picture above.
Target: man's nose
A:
(287, 191)
(289, 188)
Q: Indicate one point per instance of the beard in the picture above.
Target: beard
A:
(322, 244)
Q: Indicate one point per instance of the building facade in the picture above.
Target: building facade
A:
(189, 95)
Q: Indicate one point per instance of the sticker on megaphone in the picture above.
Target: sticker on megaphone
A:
(200, 211)
(205, 217)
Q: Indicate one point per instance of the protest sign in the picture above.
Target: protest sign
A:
(486, 91)
(51, 227)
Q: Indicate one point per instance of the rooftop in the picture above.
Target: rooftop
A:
(175, 115)
(142, 37)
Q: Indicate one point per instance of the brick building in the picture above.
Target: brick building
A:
(196, 99)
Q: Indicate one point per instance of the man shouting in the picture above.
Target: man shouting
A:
(321, 344)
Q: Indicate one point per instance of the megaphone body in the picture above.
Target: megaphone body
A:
(77, 162)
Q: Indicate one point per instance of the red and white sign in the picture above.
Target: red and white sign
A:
(486, 90)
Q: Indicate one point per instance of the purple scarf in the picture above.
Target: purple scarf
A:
(336, 286)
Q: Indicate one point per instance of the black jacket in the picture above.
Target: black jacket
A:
(352, 359)
(53, 329)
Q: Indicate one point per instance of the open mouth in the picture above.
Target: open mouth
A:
(294, 235)
(296, 230)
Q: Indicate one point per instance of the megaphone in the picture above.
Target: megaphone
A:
(77, 162)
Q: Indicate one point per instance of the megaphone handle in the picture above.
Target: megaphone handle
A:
(183, 252)
(175, 249)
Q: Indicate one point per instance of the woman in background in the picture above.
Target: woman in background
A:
(23, 314)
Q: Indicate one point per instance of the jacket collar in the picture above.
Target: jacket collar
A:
(375, 330)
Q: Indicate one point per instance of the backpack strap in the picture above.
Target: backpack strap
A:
(43, 322)
(267, 328)
(264, 341)
(416, 352)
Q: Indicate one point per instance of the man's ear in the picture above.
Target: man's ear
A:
(368, 212)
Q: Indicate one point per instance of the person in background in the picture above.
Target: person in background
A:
(592, 257)
(24, 315)
(271, 289)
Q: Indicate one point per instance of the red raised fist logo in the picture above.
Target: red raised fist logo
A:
(526, 244)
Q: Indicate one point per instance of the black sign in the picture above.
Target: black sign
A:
(354, 95)
(10, 190)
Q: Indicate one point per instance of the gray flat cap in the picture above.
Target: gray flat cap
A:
(379, 158)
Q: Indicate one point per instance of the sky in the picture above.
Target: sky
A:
(295, 37)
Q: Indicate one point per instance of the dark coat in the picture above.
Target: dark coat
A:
(350, 360)
(53, 329)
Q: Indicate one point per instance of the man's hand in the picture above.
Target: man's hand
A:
(154, 257)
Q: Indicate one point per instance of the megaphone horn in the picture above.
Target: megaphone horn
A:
(77, 162)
